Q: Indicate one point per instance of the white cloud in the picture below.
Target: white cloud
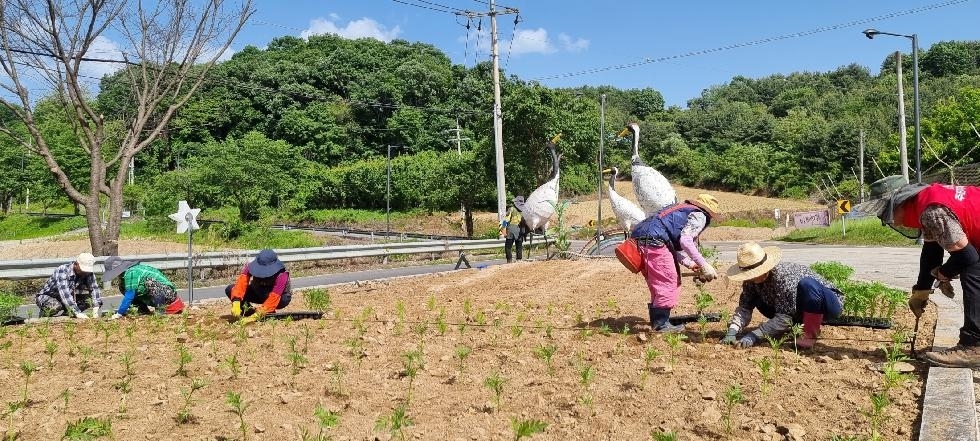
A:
(363, 28)
(534, 41)
(102, 48)
(572, 45)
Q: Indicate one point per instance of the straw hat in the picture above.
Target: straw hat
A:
(707, 203)
(752, 260)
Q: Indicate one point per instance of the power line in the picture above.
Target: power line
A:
(436, 7)
(513, 35)
(751, 43)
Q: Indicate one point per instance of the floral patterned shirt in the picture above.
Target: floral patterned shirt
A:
(939, 224)
(777, 291)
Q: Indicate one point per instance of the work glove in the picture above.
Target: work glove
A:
(917, 301)
(116, 316)
(747, 342)
(708, 273)
(944, 283)
(730, 337)
(236, 308)
(250, 319)
(81, 315)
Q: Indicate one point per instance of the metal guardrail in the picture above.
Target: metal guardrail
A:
(41, 268)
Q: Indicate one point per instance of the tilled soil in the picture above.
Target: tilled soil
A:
(353, 362)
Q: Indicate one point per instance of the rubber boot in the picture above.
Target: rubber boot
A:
(659, 320)
(811, 329)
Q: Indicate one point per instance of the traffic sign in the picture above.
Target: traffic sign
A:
(843, 206)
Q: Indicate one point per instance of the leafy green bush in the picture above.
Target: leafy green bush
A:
(8, 305)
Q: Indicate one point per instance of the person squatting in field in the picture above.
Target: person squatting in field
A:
(784, 292)
(71, 290)
(264, 281)
(143, 287)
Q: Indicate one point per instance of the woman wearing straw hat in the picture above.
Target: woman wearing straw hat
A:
(512, 228)
(666, 240)
(946, 218)
(142, 286)
(264, 281)
(784, 292)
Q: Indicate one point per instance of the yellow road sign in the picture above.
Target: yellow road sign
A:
(843, 206)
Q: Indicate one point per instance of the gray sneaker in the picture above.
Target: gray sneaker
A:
(956, 356)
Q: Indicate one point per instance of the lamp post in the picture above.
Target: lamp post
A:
(870, 33)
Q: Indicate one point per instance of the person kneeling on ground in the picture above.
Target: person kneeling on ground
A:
(71, 289)
(143, 286)
(784, 292)
(263, 281)
(666, 240)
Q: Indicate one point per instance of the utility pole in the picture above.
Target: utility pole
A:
(498, 123)
(602, 139)
(861, 162)
(903, 153)
(456, 138)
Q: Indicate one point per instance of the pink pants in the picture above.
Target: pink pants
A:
(660, 272)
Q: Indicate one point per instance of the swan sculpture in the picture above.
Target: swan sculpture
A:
(627, 213)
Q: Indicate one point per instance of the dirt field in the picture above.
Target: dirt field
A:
(354, 363)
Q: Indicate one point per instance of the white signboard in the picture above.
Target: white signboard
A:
(812, 219)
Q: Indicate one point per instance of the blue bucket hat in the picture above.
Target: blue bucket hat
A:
(266, 264)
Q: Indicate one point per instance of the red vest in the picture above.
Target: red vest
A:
(962, 200)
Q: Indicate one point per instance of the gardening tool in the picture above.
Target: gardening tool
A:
(915, 333)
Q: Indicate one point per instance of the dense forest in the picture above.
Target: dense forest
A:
(306, 125)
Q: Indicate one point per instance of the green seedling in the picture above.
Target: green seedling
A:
(296, 359)
(876, 414)
(44, 330)
(317, 299)
(441, 323)
(496, 385)
(88, 428)
(526, 428)
(233, 365)
(420, 329)
(660, 435)
(307, 336)
(516, 331)
(396, 423)
(430, 304)
(184, 415)
(703, 327)
(702, 300)
(28, 369)
(796, 331)
(51, 348)
(481, 318)
(586, 374)
(338, 376)
(605, 330)
(545, 352)
(85, 352)
(649, 355)
(400, 313)
(765, 369)
(775, 344)
(467, 307)
(127, 361)
(462, 352)
(64, 395)
(238, 406)
(355, 347)
(731, 398)
(413, 363)
(183, 357)
(548, 332)
(674, 341)
(325, 420)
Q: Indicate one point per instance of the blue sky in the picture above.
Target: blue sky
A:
(557, 39)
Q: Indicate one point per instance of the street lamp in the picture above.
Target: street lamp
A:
(870, 33)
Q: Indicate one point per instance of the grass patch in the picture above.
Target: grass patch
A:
(866, 231)
(250, 236)
(347, 216)
(747, 223)
(22, 226)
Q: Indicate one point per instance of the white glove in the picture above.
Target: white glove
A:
(81, 315)
(96, 313)
(116, 316)
(709, 273)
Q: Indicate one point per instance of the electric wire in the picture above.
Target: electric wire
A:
(822, 29)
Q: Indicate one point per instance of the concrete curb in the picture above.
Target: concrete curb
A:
(948, 405)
